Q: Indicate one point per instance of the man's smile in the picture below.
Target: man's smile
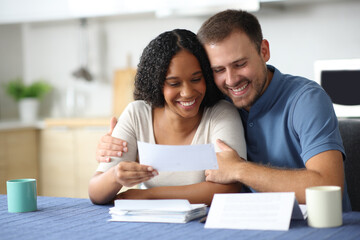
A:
(238, 90)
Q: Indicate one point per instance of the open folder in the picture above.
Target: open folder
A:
(165, 211)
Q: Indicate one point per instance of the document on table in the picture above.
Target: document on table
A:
(178, 157)
(256, 211)
(156, 210)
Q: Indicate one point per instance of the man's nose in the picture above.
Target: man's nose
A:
(230, 77)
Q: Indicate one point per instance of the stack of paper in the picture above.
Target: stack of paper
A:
(166, 211)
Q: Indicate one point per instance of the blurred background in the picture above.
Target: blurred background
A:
(48, 40)
(87, 50)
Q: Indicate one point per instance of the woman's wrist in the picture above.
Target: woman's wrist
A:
(114, 178)
(148, 193)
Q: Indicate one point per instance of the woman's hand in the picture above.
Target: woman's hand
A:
(129, 174)
(110, 146)
(133, 194)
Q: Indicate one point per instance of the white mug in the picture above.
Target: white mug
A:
(324, 206)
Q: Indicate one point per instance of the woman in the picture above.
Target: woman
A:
(177, 104)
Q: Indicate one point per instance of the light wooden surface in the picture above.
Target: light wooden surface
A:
(57, 163)
(68, 160)
(18, 155)
(61, 156)
(76, 122)
(123, 89)
(85, 158)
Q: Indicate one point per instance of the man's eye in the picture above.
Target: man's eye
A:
(218, 70)
(240, 65)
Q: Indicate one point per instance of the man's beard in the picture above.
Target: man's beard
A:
(259, 89)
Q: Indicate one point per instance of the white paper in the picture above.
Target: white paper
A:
(299, 211)
(178, 157)
(256, 211)
(157, 210)
(153, 205)
(303, 211)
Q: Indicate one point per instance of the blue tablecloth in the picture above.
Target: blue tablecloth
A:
(74, 218)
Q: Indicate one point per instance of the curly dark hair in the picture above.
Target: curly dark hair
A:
(155, 61)
(222, 24)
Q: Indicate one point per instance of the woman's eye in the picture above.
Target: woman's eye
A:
(218, 70)
(173, 84)
(196, 80)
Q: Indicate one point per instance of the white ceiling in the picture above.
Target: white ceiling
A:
(18, 11)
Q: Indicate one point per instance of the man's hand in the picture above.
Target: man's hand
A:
(110, 146)
(129, 174)
(228, 161)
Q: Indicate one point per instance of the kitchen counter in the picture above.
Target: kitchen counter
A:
(6, 125)
(77, 122)
(68, 152)
(49, 150)
(18, 150)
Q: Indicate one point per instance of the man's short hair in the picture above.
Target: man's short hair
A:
(222, 24)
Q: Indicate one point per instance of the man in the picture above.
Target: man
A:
(291, 130)
(292, 135)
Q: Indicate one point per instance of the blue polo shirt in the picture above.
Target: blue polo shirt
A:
(291, 122)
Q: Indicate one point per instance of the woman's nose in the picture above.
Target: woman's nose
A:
(187, 90)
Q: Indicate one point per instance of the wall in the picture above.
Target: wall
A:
(302, 34)
(298, 34)
(11, 64)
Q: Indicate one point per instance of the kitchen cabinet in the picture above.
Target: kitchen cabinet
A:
(18, 154)
(67, 155)
(57, 167)
(68, 160)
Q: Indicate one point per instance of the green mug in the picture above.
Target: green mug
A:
(21, 195)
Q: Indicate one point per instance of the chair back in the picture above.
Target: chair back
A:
(350, 133)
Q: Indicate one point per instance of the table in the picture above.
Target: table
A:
(75, 218)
